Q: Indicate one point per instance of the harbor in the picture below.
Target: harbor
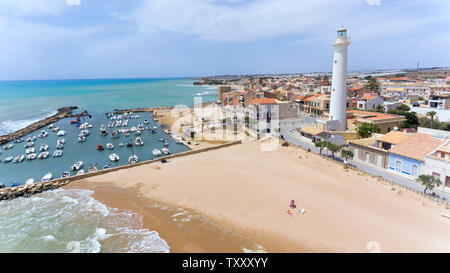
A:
(80, 143)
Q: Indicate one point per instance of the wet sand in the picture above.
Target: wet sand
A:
(182, 230)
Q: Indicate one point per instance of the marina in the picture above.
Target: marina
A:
(85, 145)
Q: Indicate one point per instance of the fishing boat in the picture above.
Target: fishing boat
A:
(18, 159)
(81, 139)
(118, 123)
(167, 131)
(155, 119)
(161, 139)
(166, 143)
(155, 128)
(138, 141)
(114, 157)
(60, 146)
(19, 140)
(140, 127)
(29, 181)
(14, 184)
(133, 159)
(114, 134)
(31, 156)
(92, 168)
(61, 140)
(129, 143)
(2, 186)
(43, 134)
(51, 126)
(61, 133)
(146, 121)
(43, 155)
(103, 131)
(9, 146)
(44, 147)
(107, 167)
(166, 151)
(80, 172)
(109, 146)
(8, 159)
(133, 129)
(55, 129)
(29, 150)
(100, 147)
(77, 165)
(47, 177)
(65, 174)
(31, 138)
(57, 153)
(29, 144)
(156, 152)
(125, 123)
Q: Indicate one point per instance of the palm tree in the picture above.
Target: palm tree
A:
(431, 114)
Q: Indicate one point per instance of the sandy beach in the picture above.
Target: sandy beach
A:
(244, 189)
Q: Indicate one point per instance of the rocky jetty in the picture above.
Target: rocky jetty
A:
(28, 190)
(136, 110)
(62, 113)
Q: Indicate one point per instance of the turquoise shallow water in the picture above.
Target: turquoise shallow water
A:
(64, 221)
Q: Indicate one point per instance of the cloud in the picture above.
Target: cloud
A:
(73, 2)
(374, 2)
(15, 8)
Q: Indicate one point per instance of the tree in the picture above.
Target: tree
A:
(403, 108)
(365, 130)
(412, 121)
(346, 154)
(321, 145)
(431, 114)
(429, 181)
(333, 148)
(373, 86)
(380, 108)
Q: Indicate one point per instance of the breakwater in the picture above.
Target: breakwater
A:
(62, 113)
(28, 190)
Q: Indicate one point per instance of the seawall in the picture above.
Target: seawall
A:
(28, 190)
(62, 113)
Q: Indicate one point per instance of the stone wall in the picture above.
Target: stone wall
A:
(28, 190)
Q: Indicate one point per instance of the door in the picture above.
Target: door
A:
(380, 160)
(447, 181)
(355, 154)
(415, 170)
(398, 166)
(367, 157)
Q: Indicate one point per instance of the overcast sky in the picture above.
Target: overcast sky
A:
(61, 39)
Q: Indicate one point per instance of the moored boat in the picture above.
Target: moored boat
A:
(43, 155)
(8, 159)
(18, 159)
(138, 141)
(166, 151)
(29, 181)
(31, 156)
(133, 159)
(156, 152)
(47, 177)
(77, 165)
(109, 146)
(65, 174)
(100, 147)
(57, 153)
(61, 133)
(114, 157)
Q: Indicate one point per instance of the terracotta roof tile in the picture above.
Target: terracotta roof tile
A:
(417, 146)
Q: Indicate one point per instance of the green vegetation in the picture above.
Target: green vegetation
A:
(321, 145)
(209, 82)
(333, 148)
(431, 114)
(346, 154)
(412, 121)
(365, 130)
(380, 108)
(373, 85)
(435, 124)
(403, 108)
(429, 182)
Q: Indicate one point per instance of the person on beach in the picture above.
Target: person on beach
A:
(292, 204)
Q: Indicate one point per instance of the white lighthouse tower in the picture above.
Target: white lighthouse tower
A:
(338, 120)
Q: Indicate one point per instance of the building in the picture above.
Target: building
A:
(222, 90)
(408, 157)
(339, 81)
(437, 164)
(375, 150)
(261, 112)
(369, 102)
(439, 101)
(385, 122)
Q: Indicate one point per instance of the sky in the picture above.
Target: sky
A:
(74, 39)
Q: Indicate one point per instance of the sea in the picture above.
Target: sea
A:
(72, 220)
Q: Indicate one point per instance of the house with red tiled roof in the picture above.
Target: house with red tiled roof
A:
(385, 122)
(408, 157)
(356, 91)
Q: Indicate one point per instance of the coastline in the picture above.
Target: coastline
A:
(345, 210)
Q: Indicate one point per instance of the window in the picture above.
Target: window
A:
(436, 175)
(415, 170)
(335, 61)
(389, 129)
(447, 181)
(367, 157)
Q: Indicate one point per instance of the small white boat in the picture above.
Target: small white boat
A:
(120, 144)
(109, 146)
(65, 174)
(51, 126)
(31, 156)
(155, 119)
(29, 150)
(55, 129)
(146, 121)
(57, 153)
(166, 151)
(29, 181)
(80, 172)
(161, 140)
(47, 177)
(114, 157)
(18, 159)
(9, 146)
(29, 144)
(61, 140)
(19, 140)
(84, 132)
(61, 133)
(167, 131)
(31, 138)
(81, 139)
(133, 159)
(43, 155)
(138, 141)
(92, 169)
(156, 152)
(60, 146)
(77, 165)
(137, 133)
(8, 159)
(43, 134)
(44, 147)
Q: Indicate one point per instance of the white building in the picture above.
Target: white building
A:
(369, 102)
(437, 164)
(338, 120)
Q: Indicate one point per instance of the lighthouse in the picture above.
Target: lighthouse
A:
(339, 82)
